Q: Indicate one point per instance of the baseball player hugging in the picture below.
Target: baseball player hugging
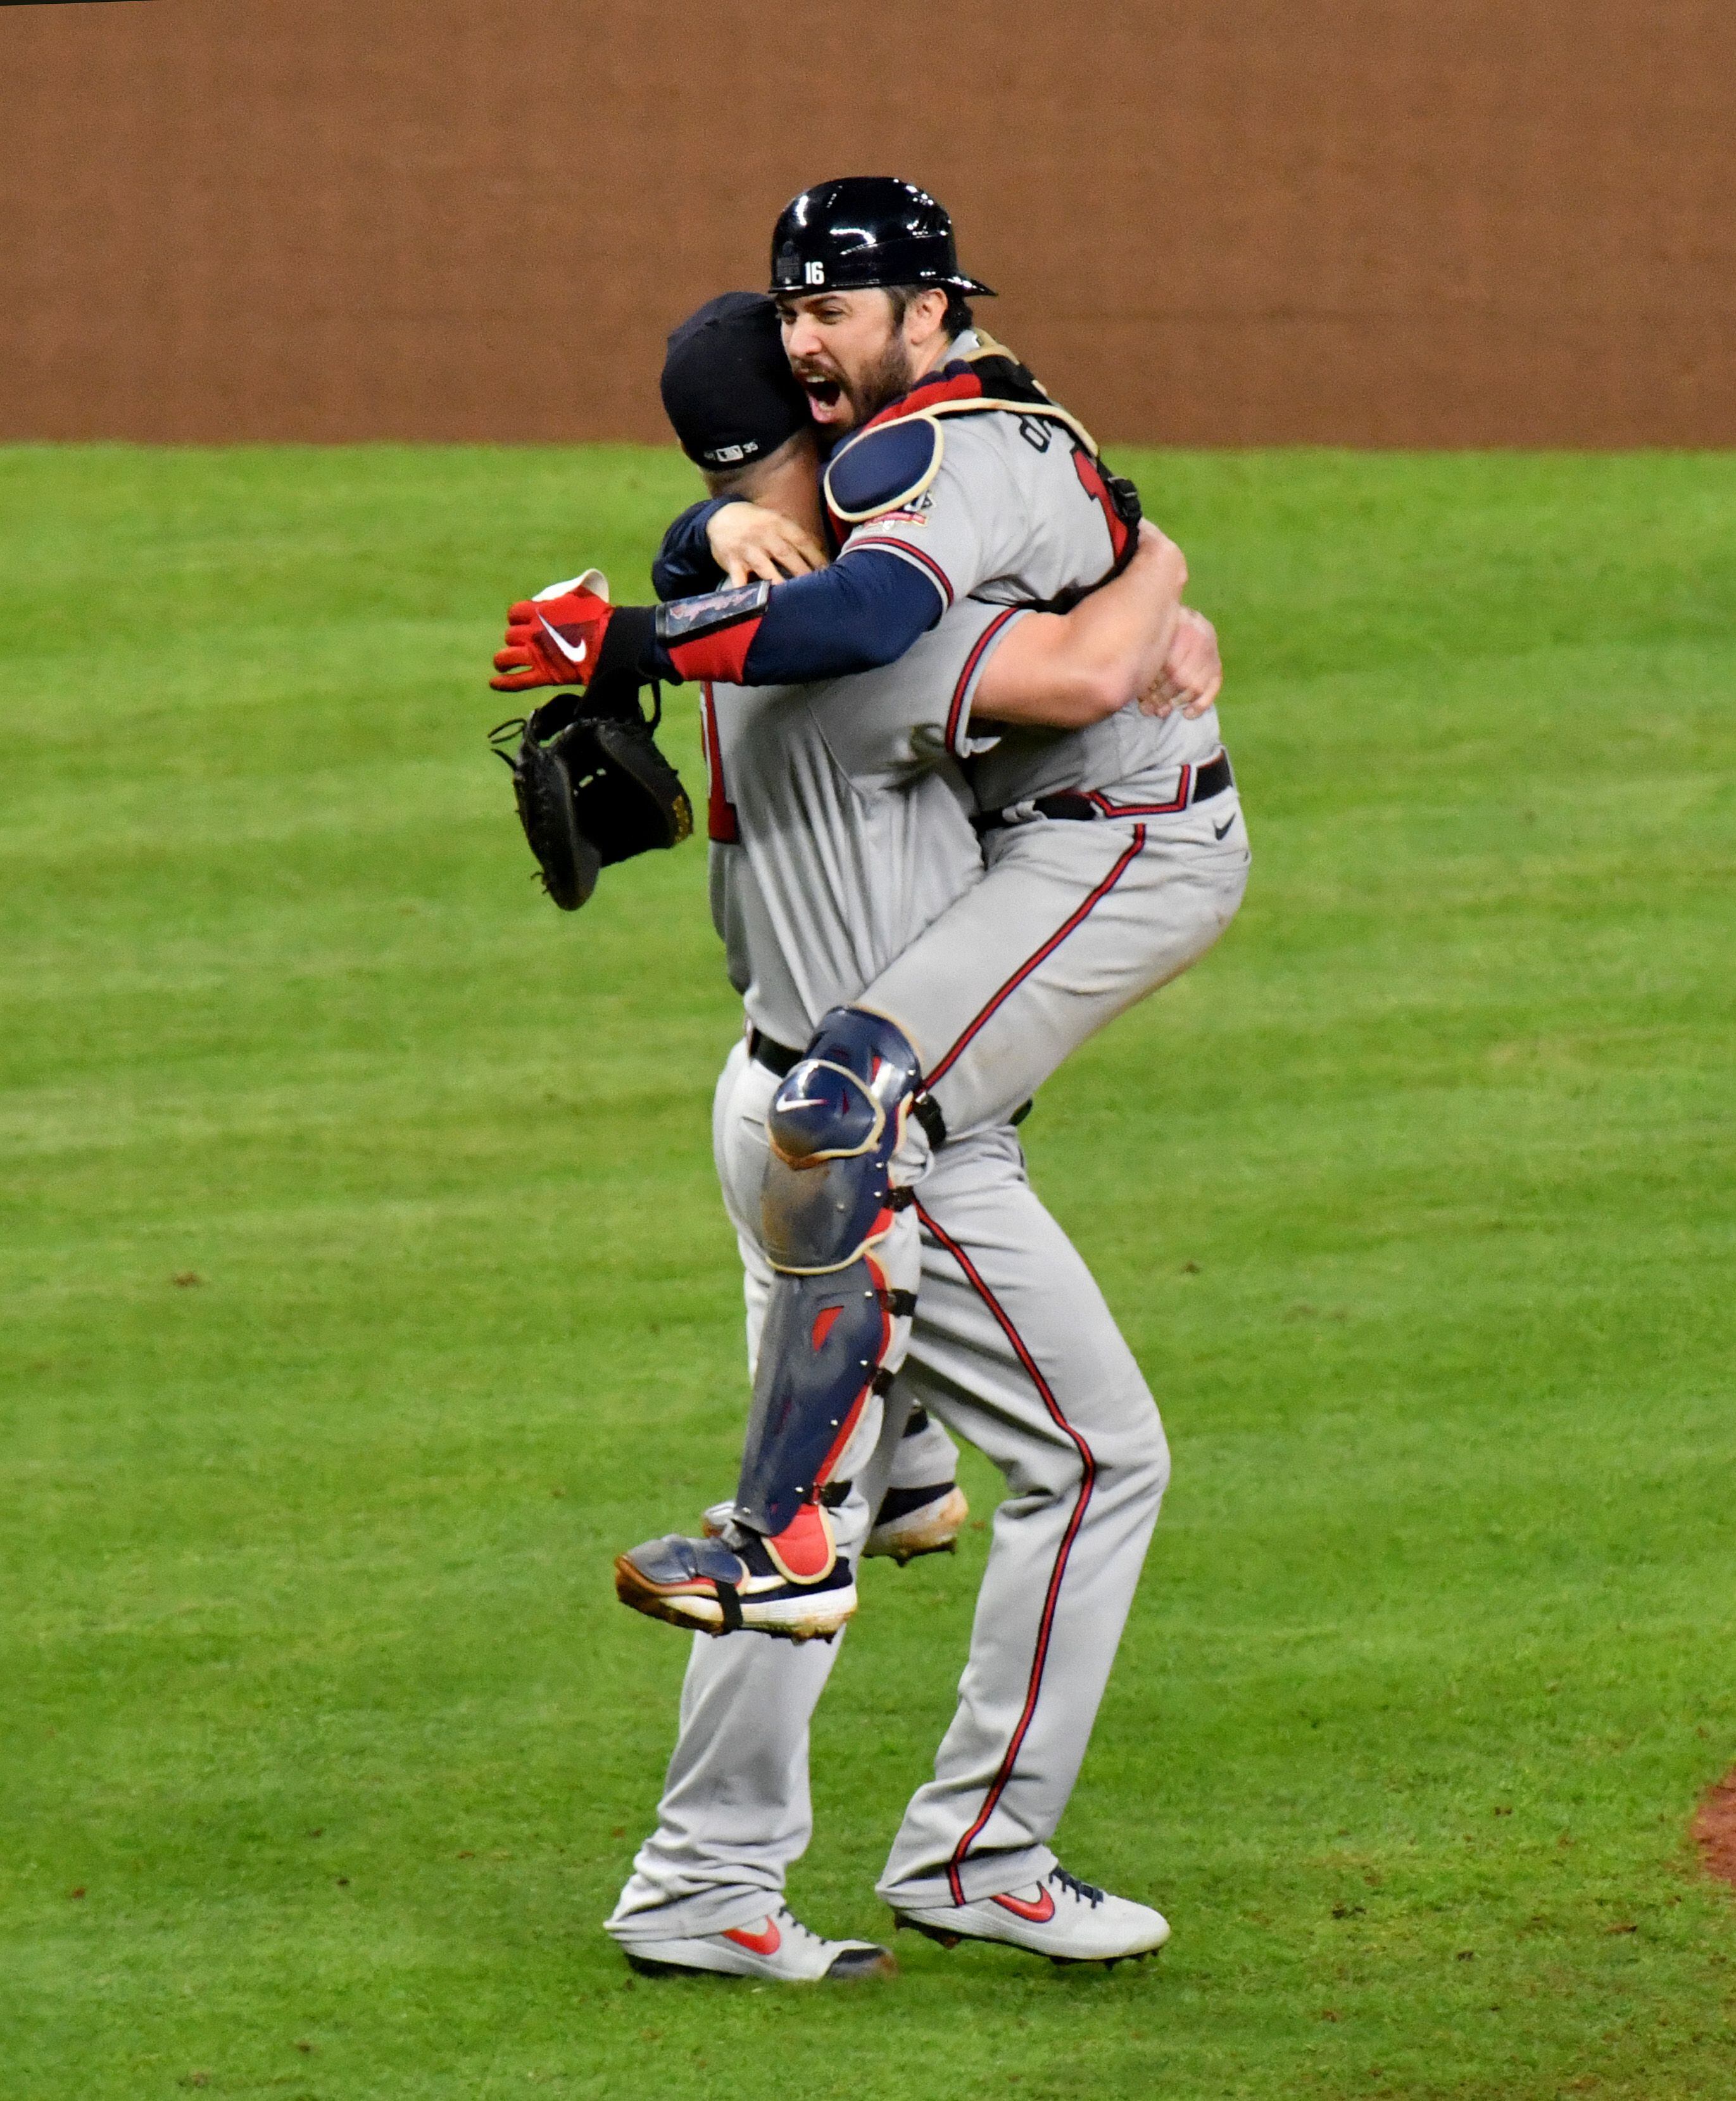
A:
(968, 802)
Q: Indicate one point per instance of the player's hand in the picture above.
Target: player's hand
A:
(553, 639)
(747, 541)
(1192, 673)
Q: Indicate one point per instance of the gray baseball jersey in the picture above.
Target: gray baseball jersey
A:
(1077, 921)
(1002, 510)
(839, 824)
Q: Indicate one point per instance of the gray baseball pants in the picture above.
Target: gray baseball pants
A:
(1012, 1346)
(1072, 924)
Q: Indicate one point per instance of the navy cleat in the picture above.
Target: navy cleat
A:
(913, 1521)
(793, 1586)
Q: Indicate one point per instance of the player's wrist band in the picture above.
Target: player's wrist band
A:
(629, 642)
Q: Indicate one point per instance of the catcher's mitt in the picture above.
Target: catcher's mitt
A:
(591, 785)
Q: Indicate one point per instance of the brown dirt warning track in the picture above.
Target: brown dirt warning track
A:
(1474, 222)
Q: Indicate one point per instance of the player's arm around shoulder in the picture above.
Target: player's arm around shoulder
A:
(883, 728)
(684, 564)
(1069, 671)
(747, 541)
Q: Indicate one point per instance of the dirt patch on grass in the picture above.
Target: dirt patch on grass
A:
(1715, 1830)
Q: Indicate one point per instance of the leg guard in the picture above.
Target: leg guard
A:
(835, 1320)
(820, 1352)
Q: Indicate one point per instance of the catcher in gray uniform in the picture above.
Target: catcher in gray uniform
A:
(1014, 1345)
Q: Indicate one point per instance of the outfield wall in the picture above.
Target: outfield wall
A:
(1361, 222)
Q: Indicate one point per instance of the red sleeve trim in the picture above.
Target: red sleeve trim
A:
(723, 655)
(958, 715)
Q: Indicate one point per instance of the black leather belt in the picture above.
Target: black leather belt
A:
(1198, 783)
(776, 1058)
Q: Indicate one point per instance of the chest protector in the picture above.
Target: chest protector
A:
(892, 459)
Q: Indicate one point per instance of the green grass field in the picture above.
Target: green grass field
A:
(367, 1290)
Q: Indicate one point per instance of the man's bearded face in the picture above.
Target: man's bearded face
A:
(848, 353)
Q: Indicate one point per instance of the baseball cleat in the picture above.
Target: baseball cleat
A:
(1060, 1917)
(908, 1521)
(780, 1948)
(912, 1521)
(793, 1587)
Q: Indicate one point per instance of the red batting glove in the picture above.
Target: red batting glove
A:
(554, 638)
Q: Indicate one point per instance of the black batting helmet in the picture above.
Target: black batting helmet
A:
(859, 231)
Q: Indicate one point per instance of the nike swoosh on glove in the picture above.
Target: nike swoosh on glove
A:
(552, 640)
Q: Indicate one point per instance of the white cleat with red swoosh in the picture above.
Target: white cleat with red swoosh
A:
(1060, 1917)
(778, 1948)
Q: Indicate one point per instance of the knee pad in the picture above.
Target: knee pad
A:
(834, 1124)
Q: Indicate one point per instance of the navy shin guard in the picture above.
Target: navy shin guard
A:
(821, 1350)
(834, 1124)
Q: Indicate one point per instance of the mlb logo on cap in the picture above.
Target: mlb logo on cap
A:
(727, 385)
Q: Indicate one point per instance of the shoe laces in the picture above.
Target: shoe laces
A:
(1088, 1892)
(786, 1919)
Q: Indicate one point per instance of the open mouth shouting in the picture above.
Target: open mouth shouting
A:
(825, 396)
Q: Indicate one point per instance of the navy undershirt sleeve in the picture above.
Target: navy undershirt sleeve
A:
(863, 612)
(684, 564)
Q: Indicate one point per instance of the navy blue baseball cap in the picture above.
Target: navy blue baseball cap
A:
(728, 389)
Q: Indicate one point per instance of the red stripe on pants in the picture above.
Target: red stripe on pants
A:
(1049, 948)
(997, 1786)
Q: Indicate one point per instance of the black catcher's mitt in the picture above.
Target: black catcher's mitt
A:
(592, 787)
